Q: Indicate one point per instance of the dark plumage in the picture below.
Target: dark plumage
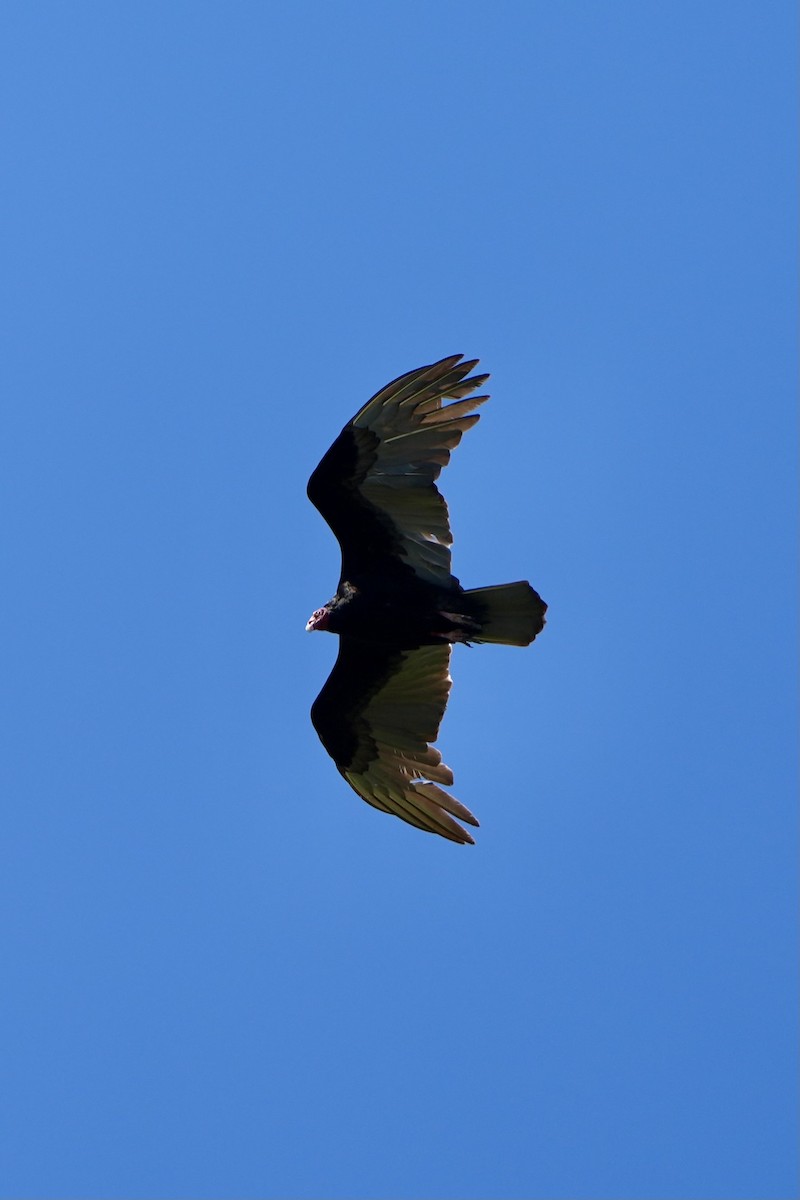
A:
(398, 608)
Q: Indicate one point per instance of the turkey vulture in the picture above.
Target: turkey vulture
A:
(397, 608)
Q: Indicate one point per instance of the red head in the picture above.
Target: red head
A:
(318, 620)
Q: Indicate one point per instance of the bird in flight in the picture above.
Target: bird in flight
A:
(398, 609)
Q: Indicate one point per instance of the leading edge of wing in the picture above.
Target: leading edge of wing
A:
(376, 716)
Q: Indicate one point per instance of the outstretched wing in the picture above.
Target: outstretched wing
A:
(376, 716)
(375, 486)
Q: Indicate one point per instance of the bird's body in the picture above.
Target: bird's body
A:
(398, 608)
(405, 614)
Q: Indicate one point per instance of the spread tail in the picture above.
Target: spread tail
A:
(510, 613)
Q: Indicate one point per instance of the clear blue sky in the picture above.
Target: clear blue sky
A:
(225, 226)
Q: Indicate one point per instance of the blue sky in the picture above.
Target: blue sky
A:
(225, 227)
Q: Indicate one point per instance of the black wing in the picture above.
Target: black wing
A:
(375, 486)
(376, 716)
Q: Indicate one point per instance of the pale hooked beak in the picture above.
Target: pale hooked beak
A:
(317, 620)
